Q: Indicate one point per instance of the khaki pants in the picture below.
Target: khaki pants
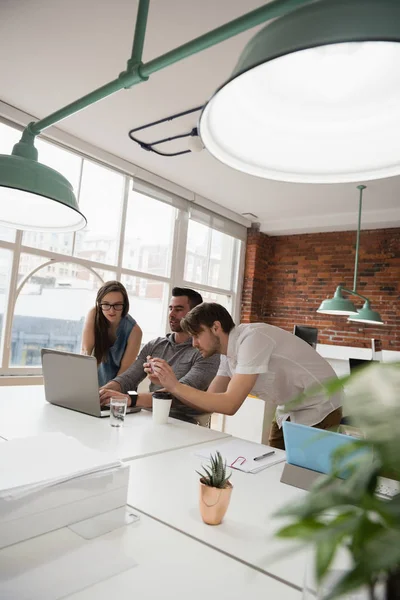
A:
(331, 421)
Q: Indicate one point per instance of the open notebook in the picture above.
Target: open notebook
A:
(241, 455)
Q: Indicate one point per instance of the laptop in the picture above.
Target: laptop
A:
(70, 381)
(312, 448)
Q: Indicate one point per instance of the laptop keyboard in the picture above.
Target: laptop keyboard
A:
(387, 488)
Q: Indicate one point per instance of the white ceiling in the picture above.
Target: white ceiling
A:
(53, 51)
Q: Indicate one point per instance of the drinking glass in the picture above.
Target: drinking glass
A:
(118, 411)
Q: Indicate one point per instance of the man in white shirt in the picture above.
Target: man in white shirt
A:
(257, 359)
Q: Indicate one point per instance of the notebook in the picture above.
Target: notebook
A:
(241, 455)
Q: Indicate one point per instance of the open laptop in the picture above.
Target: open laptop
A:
(70, 381)
(313, 448)
(309, 453)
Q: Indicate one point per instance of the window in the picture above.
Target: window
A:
(100, 200)
(148, 300)
(138, 233)
(148, 235)
(50, 313)
(8, 137)
(226, 301)
(5, 270)
(210, 256)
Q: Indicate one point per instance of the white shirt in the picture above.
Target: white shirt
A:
(286, 366)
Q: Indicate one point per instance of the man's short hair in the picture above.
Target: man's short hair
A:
(205, 315)
(193, 297)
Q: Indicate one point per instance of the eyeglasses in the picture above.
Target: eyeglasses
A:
(106, 307)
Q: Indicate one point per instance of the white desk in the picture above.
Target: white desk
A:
(24, 412)
(166, 488)
(170, 566)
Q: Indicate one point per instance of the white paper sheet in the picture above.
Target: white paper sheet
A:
(32, 463)
(240, 455)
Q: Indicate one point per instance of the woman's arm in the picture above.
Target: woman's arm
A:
(132, 348)
(88, 333)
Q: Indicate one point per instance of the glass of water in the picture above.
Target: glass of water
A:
(118, 411)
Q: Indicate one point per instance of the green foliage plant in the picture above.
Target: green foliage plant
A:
(348, 514)
(214, 475)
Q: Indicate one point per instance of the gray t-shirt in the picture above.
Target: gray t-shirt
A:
(188, 364)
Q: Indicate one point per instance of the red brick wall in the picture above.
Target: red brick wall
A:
(287, 277)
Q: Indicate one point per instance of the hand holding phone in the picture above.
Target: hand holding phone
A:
(148, 366)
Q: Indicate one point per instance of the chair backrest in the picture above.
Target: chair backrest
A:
(308, 334)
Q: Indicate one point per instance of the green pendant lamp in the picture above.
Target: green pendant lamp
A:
(338, 305)
(34, 196)
(313, 95)
(367, 315)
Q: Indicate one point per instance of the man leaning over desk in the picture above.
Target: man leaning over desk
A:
(188, 365)
(257, 359)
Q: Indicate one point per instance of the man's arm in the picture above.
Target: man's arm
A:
(130, 379)
(227, 402)
(219, 384)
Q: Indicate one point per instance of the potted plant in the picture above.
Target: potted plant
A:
(215, 490)
(347, 513)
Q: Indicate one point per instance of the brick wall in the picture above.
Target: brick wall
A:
(287, 277)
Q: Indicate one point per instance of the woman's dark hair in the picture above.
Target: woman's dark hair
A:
(205, 315)
(101, 338)
(194, 298)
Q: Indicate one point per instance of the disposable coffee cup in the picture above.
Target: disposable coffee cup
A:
(161, 407)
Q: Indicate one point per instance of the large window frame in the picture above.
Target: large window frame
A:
(183, 210)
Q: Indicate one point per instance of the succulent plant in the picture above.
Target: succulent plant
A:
(215, 474)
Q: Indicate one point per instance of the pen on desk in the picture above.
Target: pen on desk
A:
(264, 455)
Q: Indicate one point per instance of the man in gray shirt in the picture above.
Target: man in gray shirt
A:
(176, 348)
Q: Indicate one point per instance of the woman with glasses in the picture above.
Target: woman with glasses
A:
(110, 334)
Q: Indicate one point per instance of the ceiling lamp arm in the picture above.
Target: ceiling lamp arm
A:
(139, 35)
(352, 292)
(361, 188)
(138, 72)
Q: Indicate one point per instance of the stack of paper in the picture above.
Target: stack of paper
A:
(33, 463)
(245, 456)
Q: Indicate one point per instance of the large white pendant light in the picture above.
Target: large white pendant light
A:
(315, 96)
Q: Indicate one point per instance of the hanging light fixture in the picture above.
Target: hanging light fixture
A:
(34, 196)
(338, 305)
(313, 95)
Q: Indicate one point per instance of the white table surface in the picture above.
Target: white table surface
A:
(24, 412)
(165, 487)
(170, 565)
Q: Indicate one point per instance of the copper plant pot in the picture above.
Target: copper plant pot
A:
(214, 503)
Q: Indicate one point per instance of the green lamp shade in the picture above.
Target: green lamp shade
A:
(35, 197)
(337, 305)
(366, 315)
(314, 94)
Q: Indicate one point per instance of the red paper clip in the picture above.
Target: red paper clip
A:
(240, 458)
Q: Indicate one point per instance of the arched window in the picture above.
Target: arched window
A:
(52, 302)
